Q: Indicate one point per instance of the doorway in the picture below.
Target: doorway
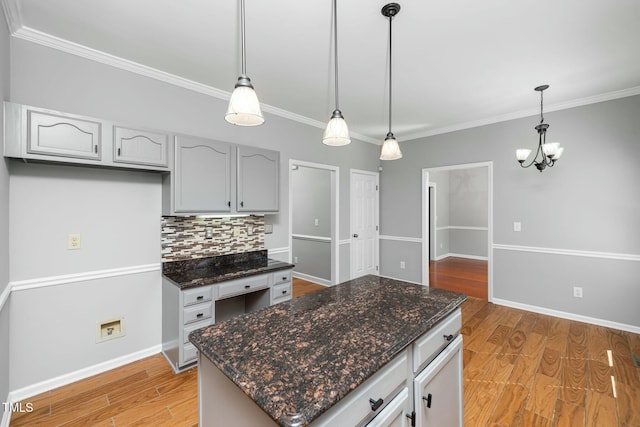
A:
(313, 221)
(457, 221)
(365, 206)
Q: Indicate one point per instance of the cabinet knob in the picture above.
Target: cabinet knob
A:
(200, 297)
(229, 203)
(95, 148)
(448, 337)
(247, 286)
(284, 292)
(375, 404)
(119, 152)
(355, 235)
(242, 204)
(427, 399)
(199, 315)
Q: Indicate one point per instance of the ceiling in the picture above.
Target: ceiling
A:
(456, 64)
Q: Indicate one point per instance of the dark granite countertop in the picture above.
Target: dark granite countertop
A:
(192, 273)
(298, 358)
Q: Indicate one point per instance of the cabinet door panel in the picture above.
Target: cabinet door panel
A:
(63, 136)
(139, 147)
(258, 177)
(438, 389)
(202, 175)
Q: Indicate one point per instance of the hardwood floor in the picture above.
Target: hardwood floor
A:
(520, 369)
(467, 276)
(302, 287)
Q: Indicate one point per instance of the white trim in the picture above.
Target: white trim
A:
(402, 280)
(13, 14)
(310, 278)
(462, 227)
(401, 238)
(478, 257)
(312, 238)
(345, 242)
(81, 277)
(6, 417)
(41, 387)
(4, 296)
(44, 39)
(282, 250)
(570, 252)
(608, 96)
(335, 212)
(569, 316)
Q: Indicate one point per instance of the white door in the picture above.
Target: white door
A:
(364, 223)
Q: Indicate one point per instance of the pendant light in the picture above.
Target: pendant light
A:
(244, 107)
(390, 148)
(337, 132)
(549, 152)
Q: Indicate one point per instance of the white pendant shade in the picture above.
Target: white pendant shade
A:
(336, 132)
(244, 107)
(522, 154)
(558, 153)
(390, 149)
(549, 149)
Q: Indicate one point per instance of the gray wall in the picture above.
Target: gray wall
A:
(311, 192)
(76, 85)
(588, 202)
(5, 366)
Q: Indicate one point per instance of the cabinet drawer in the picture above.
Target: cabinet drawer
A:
(356, 406)
(197, 312)
(192, 327)
(196, 296)
(429, 345)
(283, 276)
(281, 292)
(243, 286)
(189, 353)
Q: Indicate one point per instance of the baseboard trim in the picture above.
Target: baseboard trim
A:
(403, 280)
(401, 238)
(310, 278)
(4, 296)
(568, 316)
(44, 386)
(481, 258)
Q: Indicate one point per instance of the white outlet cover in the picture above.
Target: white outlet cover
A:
(73, 241)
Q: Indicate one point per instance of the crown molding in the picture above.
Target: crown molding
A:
(12, 14)
(44, 39)
(608, 96)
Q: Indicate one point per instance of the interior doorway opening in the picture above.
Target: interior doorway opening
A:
(457, 223)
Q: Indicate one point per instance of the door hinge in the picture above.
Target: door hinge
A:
(412, 417)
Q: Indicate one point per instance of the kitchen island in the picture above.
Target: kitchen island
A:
(309, 360)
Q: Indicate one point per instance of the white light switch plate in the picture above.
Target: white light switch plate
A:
(517, 226)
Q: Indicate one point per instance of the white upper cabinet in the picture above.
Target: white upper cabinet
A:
(139, 146)
(63, 135)
(258, 173)
(33, 133)
(201, 177)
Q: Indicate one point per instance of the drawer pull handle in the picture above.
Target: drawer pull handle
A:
(200, 297)
(448, 337)
(284, 278)
(199, 315)
(247, 286)
(284, 292)
(428, 400)
(375, 404)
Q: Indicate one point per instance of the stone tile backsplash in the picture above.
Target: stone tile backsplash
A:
(185, 237)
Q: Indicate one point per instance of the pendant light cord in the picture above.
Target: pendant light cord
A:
(335, 48)
(390, 71)
(242, 41)
(541, 98)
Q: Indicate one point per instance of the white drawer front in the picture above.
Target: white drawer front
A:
(427, 346)
(189, 353)
(197, 295)
(283, 276)
(192, 327)
(243, 286)
(281, 292)
(357, 405)
(197, 312)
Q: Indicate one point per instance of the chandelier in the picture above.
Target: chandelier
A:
(549, 152)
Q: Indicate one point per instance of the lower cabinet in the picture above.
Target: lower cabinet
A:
(184, 311)
(438, 389)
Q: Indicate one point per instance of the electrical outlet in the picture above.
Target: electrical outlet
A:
(236, 231)
(208, 232)
(316, 222)
(517, 226)
(73, 242)
(295, 259)
(402, 265)
(577, 292)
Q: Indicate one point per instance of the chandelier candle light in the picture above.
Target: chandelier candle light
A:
(337, 132)
(244, 107)
(549, 152)
(390, 148)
